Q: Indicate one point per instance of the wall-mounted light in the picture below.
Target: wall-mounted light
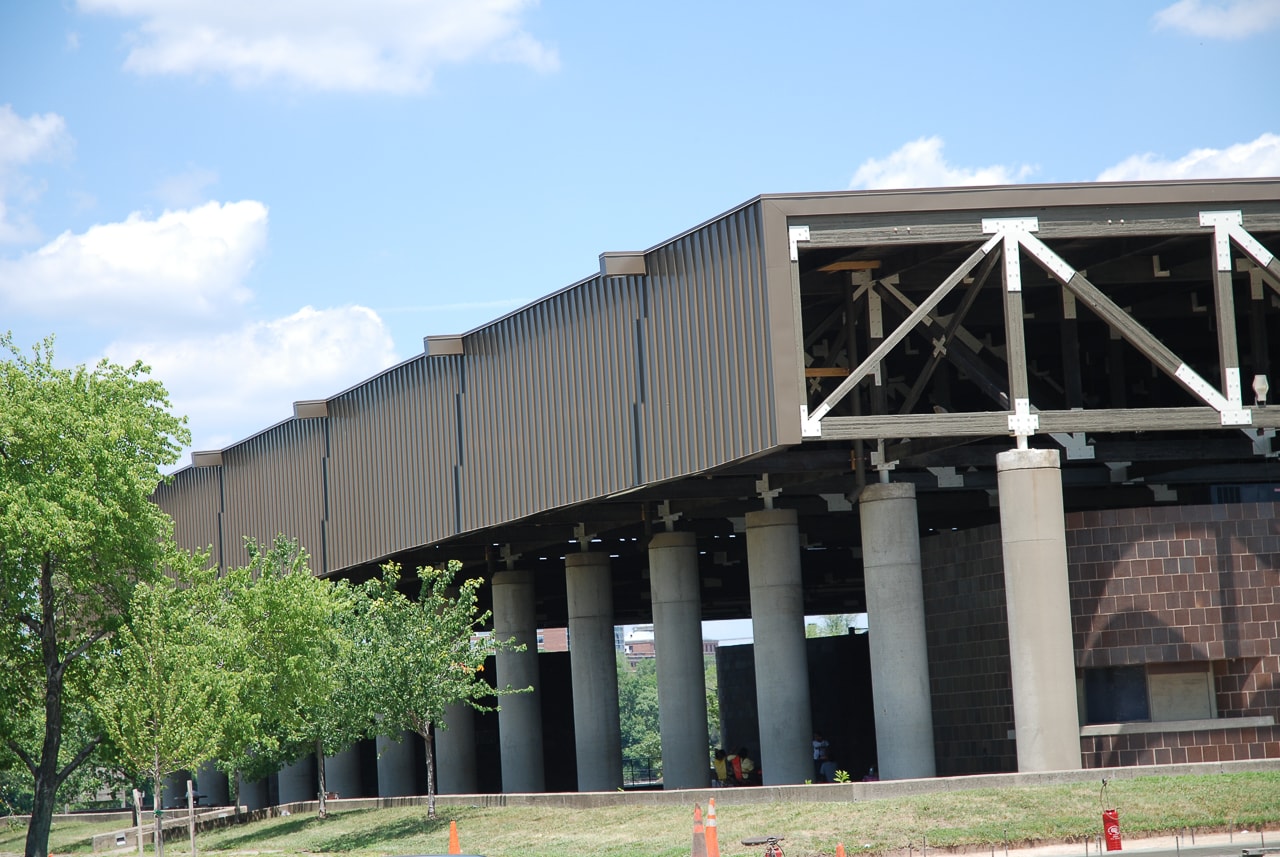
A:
(1260, 388)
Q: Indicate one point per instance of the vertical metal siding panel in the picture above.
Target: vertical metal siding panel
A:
(192, 498)
(272, 485)
(553, 380)
(392, 454)
(710, 355)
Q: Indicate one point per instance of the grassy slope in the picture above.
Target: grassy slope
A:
(977, 818)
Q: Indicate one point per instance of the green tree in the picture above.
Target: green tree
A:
(288, 627)
(711, 680)
(337, 713)
(834, 625)
(638, 707)
(80, 454)
(425, 654)
(163, 692)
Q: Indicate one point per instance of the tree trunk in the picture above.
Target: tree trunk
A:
(235, 792)
(159, 812)
(191, 816)
(431, 770)
(324, 790)
(46, 770)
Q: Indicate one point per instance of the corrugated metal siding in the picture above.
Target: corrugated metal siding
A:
(272, 484)
(393, 445)
(709, 396)
(547, 404)
(605, 386)
(193, 498)
(622, 381)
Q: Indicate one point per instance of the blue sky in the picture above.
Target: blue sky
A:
(272, 201)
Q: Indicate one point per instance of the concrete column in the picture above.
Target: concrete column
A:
(1041, 653)
(298, 781)
(175, 789)
(520, 714)
(782, 673)
(456, 751)
(895, 619)
(213, 784)
(396, 775)
(594, 665)
(342, 773)
(677, 635)
(253, 795)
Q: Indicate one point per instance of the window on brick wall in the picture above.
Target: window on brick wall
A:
(1116, 694)
(1181, 691)
(1154, 692)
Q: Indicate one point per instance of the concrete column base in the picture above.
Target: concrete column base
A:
(782, 672)
(1041, 650)
(594, 666)
(677, 634)
(520, 714)
(896, 631)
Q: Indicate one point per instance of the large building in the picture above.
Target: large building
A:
(1025, 429)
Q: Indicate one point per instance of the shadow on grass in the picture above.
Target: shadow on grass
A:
(319, 838)
(404, 828)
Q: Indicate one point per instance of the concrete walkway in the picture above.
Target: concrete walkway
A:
(1241, 842)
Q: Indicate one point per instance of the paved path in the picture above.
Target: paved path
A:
(1205, 845)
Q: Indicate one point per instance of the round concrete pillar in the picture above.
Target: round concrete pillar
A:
(213, 784)
(396, 775)
(342, 773)
(297, 782)
(456, 751)
(1041, 653)
(594, 665)
(896, 632)
(677, 636)
(782, 673)
(520, 714)
(253, 795)
(175, 789)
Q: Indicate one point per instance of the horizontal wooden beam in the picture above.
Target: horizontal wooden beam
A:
(989, 423)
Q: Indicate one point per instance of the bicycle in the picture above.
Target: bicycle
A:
(770, 843)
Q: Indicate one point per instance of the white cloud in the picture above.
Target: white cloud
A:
(185, 189)
(1260, 157)
(182, 264)
(233, 384)
(374, 45)
(920, 164)
(1224, 19)
(23, 141)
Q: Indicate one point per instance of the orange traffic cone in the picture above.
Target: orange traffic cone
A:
(712, 834)
(454, 847)
(839, 849)
(699, 836)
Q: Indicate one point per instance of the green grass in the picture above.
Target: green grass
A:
(65, 837)
(973, 819)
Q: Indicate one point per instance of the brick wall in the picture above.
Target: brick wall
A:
(968, 638)
(1173, 584)
(1177, 583)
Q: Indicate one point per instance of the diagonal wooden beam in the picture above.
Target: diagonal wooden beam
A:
(873, 359)
(1131, 330)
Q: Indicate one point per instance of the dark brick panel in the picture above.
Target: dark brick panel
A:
(1171, 584)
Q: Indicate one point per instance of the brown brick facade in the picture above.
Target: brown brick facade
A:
(968, 638)
(1176, 584)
